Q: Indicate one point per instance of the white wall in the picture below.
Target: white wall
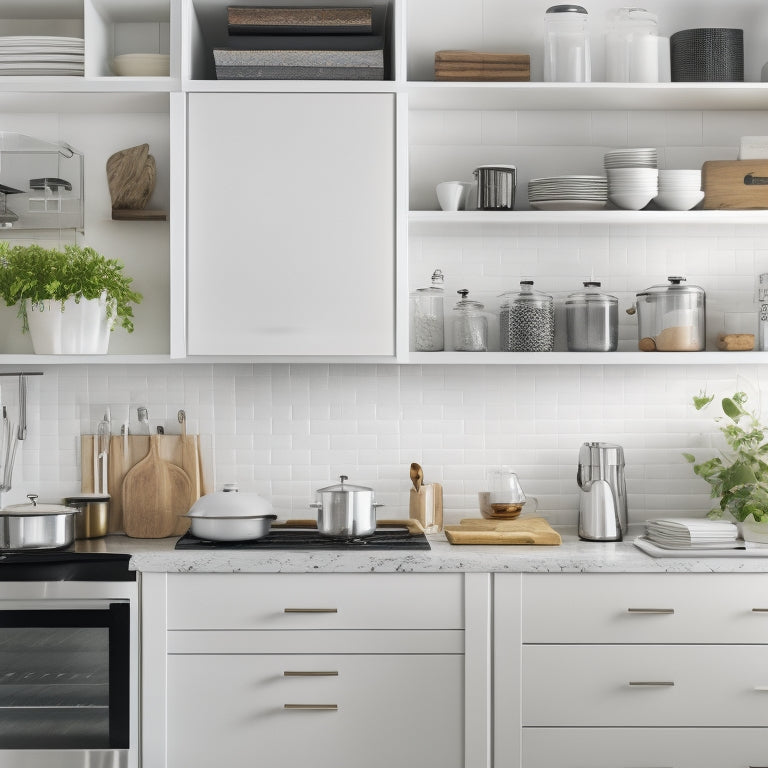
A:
(284, 431)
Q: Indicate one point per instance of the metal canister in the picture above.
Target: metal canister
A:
(496, 187)
(592, 320)
(92, 518)
(527, 320)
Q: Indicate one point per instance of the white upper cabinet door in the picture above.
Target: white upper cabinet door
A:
(291, 224)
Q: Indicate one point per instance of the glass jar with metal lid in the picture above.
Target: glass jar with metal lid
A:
(592, 320)
(671, 318)
(567, 55)
(527, 320)
(428, 316)
(470, 325)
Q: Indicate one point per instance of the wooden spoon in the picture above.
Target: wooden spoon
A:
(417, 476)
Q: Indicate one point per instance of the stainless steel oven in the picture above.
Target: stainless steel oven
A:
(68, 662)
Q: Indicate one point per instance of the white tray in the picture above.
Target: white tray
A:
(742, 551)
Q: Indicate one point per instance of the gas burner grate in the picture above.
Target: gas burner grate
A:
(294, 538)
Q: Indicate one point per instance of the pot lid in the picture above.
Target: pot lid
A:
(342, 488)
(675, 287)
(591, 294)
(33, 508)
(86, 497)
(229, 502)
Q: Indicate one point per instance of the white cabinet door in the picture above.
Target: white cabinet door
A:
(291, 219)
(323, 711)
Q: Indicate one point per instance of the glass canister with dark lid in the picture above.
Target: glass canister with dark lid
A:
(470, 325)
(527, 320)
(592, 320)
(672, 318)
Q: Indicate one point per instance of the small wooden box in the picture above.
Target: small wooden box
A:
(735, 184)
(474, 66)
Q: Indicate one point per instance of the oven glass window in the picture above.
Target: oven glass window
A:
(64, 679)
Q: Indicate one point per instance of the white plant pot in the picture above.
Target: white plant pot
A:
(70, 327)
(753, 531)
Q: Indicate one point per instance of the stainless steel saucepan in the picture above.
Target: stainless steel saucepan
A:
(36, 526)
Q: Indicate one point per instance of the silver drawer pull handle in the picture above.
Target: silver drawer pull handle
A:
(651, 682)
(762, 688)
(650, 610)
(319, 707)
(311, 610)
(308, 673)
(760, 610)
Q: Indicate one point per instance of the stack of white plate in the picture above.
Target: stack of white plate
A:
(568, 193)
(141, 64)
(645, 157)
(41, 55)
(679, 190)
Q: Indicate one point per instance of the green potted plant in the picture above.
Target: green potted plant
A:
(739, 476)
(69, 300)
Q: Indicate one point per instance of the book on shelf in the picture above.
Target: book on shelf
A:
(298, 73)
(244, 19)
(227, 57)
(476, 66)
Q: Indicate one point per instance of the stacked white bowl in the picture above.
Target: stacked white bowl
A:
(633, 177)
(679, 190)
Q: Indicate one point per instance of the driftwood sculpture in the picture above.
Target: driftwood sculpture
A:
(131, 177)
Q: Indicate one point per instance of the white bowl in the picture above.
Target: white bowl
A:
(631, 201)
(141, 65)
(678, 201)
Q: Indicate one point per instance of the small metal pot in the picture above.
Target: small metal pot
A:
(92, 518)
(229, 515)
(345, 511)
(36, 526)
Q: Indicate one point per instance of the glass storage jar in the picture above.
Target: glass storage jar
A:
(631, 47)
(671, 318)
(527, 320)
(592, 320)
(470, 325)
(428, 316)
(566, 45)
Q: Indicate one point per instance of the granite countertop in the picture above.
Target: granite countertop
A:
(572, 556)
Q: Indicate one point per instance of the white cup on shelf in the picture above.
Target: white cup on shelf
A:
(452, 195)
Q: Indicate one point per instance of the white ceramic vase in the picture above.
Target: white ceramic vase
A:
(70, 327)
(754, 532)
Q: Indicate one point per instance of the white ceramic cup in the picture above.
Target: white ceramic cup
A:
(452, 195)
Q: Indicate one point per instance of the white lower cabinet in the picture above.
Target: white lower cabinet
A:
(645, 748)
(345, 711)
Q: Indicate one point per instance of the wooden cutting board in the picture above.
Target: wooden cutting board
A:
(735, 184)
(154, 493)
(524, 530)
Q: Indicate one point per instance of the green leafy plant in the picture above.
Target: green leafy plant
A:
(738, 478)
(39, 274)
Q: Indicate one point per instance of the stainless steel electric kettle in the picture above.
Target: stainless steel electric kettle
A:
(603, 493)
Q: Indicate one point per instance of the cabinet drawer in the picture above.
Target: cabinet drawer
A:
(655, 685)
(645, 748)
(645, 608)
(315, 601)
(345, 711)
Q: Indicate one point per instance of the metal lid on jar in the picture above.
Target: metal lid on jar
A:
(566, 9)
(526, 294)
(591, 295)
(467, 305)
(342, 487)
(675, 287)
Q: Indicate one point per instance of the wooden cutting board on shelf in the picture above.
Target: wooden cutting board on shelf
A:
(523, 530)
(735, 184)
(127, 451)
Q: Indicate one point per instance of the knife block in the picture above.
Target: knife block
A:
(128, 450)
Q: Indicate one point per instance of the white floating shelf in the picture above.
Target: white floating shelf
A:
(587, 96)
(588, 358)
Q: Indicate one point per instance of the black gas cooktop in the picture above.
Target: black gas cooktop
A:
(303, 538)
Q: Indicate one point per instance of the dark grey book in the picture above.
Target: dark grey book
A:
(228, 57)
(298, 73)
(289, 20)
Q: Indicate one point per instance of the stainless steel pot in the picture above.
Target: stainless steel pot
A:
(229, 515)
(346, 511)
(92, 518)
(36, 526)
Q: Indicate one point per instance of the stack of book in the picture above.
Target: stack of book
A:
(303, 43)
(479, 67)
(692, 533)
